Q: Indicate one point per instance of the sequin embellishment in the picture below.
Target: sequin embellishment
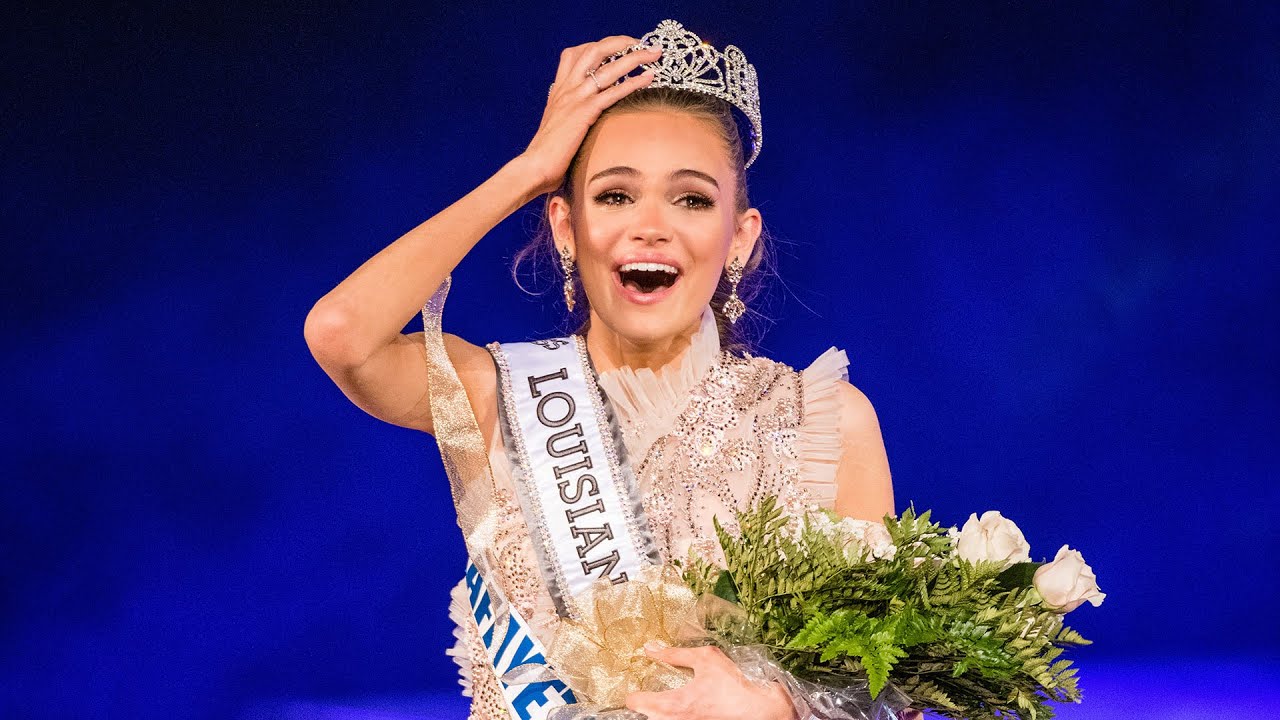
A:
(740, 421)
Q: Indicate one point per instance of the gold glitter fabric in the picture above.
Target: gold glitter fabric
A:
(461, 443)
(462, 451)
(600, 655)
(708, 434)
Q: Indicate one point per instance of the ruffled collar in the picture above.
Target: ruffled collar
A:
(647, 403)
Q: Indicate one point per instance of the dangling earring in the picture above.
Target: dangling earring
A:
(734, 307)
(566, 265)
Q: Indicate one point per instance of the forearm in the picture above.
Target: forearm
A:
(372, 305)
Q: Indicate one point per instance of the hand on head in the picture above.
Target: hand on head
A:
(585, 85)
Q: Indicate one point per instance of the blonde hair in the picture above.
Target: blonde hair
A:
(542, 247)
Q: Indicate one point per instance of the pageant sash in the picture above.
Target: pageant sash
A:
(576, 489)
(515, 649)
(508, 642)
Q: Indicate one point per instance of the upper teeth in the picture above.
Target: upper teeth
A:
(649, 267)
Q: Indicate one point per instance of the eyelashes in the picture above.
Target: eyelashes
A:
(611, 197)
(691, 200)
(701, 202)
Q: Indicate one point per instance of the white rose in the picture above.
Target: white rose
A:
(1067, 582)
(994, 538)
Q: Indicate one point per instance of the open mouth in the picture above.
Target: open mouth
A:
(647, 277)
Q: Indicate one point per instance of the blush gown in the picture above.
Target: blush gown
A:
(708, 434)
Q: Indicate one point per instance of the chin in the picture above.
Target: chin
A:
(643, 328)
(647, 326)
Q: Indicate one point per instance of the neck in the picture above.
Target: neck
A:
(609, 350)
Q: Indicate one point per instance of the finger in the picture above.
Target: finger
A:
(611, 71)
(597, 52)
(574, 64)
(569, 58)
(695, 658)
(614, 93)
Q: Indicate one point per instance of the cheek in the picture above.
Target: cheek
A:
(593, 241)
(708, 274)
(714, 243)
(594, 265)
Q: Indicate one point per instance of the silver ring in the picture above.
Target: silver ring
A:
(592, 74)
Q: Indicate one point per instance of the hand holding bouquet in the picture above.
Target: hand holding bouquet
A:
(855, 620)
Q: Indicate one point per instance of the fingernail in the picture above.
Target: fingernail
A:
(654, 646)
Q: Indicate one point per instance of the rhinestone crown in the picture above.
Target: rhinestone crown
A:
(689, 63)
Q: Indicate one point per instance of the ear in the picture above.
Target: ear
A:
(560, 218)
(745, 236)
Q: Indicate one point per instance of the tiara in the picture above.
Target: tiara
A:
(689, 63)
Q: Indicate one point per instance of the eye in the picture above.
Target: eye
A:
(696, 201)
(612, 197)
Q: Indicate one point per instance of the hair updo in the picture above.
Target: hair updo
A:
(720, 113)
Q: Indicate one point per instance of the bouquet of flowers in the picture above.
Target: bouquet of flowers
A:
(961, 621)
(858, 620)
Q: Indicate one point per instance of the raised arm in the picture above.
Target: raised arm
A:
(354, 331)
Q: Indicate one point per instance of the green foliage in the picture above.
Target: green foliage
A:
(725, 588)
(963, 640)
(1018, 575)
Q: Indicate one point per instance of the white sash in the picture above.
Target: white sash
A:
(576, 489)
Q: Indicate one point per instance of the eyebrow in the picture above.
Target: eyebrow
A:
(632, 172)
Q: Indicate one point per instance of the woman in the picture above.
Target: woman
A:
(649, 217)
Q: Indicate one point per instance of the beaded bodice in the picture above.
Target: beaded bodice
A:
(734, 443)
(706, 436)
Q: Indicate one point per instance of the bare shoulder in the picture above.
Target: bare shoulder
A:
(864, 487)
(857, 414)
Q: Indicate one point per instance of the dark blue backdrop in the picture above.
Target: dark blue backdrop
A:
(1045, 233)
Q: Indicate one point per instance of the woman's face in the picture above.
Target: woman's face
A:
(653, 224)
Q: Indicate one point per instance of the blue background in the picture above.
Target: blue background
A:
(1046, 234)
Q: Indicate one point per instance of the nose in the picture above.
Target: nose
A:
(652, 224)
